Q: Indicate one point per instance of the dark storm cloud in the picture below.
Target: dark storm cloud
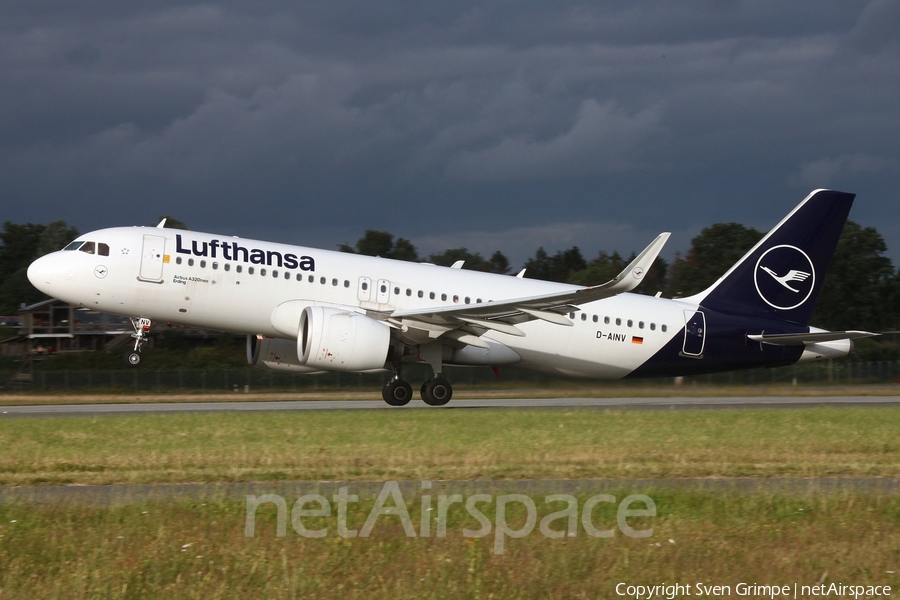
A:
(486, 123)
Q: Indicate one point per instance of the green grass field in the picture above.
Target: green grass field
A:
(464, 444)
(197, 549)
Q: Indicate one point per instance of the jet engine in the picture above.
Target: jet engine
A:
(335, 339)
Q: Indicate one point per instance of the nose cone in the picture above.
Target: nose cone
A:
(41, 273)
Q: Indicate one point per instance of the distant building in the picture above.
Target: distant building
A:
(54, 326)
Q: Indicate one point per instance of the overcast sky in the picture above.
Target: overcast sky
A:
(491, 124)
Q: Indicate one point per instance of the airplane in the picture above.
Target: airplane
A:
(306, 310)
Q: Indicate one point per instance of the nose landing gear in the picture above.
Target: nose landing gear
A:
(140, 335)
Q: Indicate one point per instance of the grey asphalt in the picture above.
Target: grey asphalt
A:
(599, 403)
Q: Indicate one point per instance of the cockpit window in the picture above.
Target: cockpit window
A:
(87, 247)
(103, 249)
(73, 246)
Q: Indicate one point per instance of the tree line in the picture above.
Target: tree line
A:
(861, 290)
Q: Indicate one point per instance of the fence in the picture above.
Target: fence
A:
(144, 380)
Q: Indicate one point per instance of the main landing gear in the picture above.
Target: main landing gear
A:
(437, 391)
(140, 335)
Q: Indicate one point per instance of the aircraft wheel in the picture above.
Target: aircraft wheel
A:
(133, 358)
(437, 391)
(397, 392)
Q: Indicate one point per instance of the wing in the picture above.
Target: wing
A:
(465, 323)
(801, 339)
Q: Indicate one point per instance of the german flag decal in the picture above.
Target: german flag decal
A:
(637, 340)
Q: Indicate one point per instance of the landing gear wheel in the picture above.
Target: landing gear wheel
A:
(133, 358)
(397, 392)
(437, 391)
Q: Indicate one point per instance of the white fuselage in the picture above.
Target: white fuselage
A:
(255, 287)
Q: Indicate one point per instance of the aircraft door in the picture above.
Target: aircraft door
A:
(694, 333)
(383, 292)
(364, 292)
(152, 256)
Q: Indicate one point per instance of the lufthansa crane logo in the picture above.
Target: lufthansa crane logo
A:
(784, 277)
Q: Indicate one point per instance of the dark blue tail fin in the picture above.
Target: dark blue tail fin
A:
(781, 276)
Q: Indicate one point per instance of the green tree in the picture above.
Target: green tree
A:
(606, 266)
(558, 267)
(21, 245)
(498, 263)
(860, 289)
(383, 244)
(711, 254)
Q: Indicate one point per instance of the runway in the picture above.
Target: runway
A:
(675, 403)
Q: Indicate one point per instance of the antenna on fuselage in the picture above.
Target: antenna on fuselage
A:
(162, 223)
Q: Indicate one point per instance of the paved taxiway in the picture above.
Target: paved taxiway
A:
(599, 403)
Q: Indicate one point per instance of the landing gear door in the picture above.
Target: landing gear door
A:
(694, 333)
(152, 256)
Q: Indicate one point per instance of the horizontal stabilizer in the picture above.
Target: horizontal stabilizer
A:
(802, 339)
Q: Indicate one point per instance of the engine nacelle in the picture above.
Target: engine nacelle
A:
(275, 354)
(335, 339)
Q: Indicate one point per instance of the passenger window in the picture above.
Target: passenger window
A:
(408, 292)
(664, 328)
(455, 298)
(334, 282)
(584, 316)
(274, 272)
(262, 272)
(238, 268)
(249, 270)
(287, 275)
(73, 246)
(177, 260)
(103, 249)
(383, 288)
(630, 322)
(365, 286)
(652, 326)
(299, 277)
(468, 300)
(346, 283)
(203, 265)
(572, 316)
(606, 320)
(431, 295)
(396, 291)
(215, 265)
(640, 324)
(596, 318)
(478, 301)
(421, 294)
(312, 279)
(88, 247)
(227, 266)
(322, 280)
(444, 297)
(190, 262)
(618, 321)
